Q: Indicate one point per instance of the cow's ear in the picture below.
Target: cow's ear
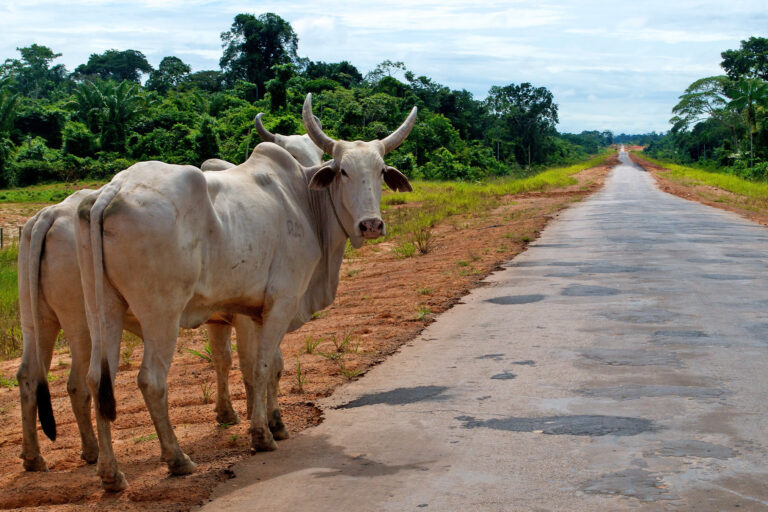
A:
(323, 178)
(396, 180)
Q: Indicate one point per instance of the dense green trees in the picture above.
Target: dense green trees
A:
(720, 121)
(99, 119)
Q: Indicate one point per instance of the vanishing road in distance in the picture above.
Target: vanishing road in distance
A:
(621, 363)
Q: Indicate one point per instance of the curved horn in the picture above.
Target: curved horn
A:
(397, 137)
(265, 134)
(314, 131)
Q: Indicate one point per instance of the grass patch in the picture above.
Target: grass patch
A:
(728, 182)
(10, 325)
(48, 193)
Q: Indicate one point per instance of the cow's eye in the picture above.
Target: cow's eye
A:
(344, 173)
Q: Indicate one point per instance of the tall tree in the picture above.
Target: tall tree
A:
(747, 95)
(749, 61)
(524, 114)
(116, 65)
(33, 74)
(254, 45)
(707, 98)
(171, 72)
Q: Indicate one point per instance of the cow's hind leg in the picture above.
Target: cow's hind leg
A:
(159, 343)
(221, 354)
(77, 387)
(28, 381)
(101, 382)
(276, 425)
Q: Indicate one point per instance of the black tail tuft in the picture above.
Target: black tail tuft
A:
(107, 407)
(45, 410)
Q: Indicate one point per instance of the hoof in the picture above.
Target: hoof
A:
(90, 455)
(227, 416)
(281, 434)
(35, 464)
(262, 440)
(116, 483)
(183, 467)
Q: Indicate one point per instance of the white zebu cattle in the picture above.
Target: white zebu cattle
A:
(51, 298)
(264, 240)
(300, 146)
(215, 164)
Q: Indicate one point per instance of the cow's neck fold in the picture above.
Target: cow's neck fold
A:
(332, 241)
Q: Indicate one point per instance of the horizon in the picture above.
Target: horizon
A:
(620, 70)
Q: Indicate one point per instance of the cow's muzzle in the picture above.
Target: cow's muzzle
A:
(372, 228)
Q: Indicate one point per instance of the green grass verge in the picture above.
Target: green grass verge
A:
(691, 176)
(48, 193)
(10, 327)
(433, 201)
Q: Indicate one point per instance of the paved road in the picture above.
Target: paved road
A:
(621, 363)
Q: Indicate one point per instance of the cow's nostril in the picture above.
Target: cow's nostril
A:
(363, 227)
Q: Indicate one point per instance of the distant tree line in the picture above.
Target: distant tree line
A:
(722, 121)
(100, 118)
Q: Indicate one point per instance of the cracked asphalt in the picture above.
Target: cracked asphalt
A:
(621, 363)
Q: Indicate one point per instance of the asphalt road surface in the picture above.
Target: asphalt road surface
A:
(621, 363)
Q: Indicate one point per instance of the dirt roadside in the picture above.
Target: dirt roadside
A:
(753, 209)
(383, 301)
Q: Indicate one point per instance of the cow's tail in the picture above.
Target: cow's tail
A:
(34, 257)
(106, 395)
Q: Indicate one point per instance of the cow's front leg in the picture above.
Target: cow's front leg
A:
(275, 322)
(221, 354)
(159, 344)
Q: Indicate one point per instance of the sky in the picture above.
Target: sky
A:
(616, 66)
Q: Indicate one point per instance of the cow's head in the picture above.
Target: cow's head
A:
(355, 174)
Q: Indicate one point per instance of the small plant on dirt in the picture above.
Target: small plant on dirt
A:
(344, 346)
(141, 439)
(462, 263)
(525, 239)
(423, 313)
(474, 256)
(423, 239)
(426, 291)
(5, 409)
(301, 378)
(225, 425)
(404, 250)
(319, 314)
(311, 343)
(233, 439)
(62, 363)
(206, 388)
(205, 355)
(350, 252)
(9, 383)
(349, 373)
(353, 272)
(130, 343)
(50, 378)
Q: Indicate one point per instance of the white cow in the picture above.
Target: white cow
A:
(264, 240)
(215, 164)
(300, 146)
(51, 299)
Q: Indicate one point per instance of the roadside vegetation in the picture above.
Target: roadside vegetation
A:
(720, 123)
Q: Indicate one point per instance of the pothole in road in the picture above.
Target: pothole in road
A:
(509, 300)
(580, 290)
(505, 375)
(643, 316)
(399, 396)
(693, 448)
(495, 357)
(633, 483)
(622, 357)
(576, 425)
(635, 391)
(727, 277)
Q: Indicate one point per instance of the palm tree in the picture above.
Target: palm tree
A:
(121, 104)
(747, 93)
